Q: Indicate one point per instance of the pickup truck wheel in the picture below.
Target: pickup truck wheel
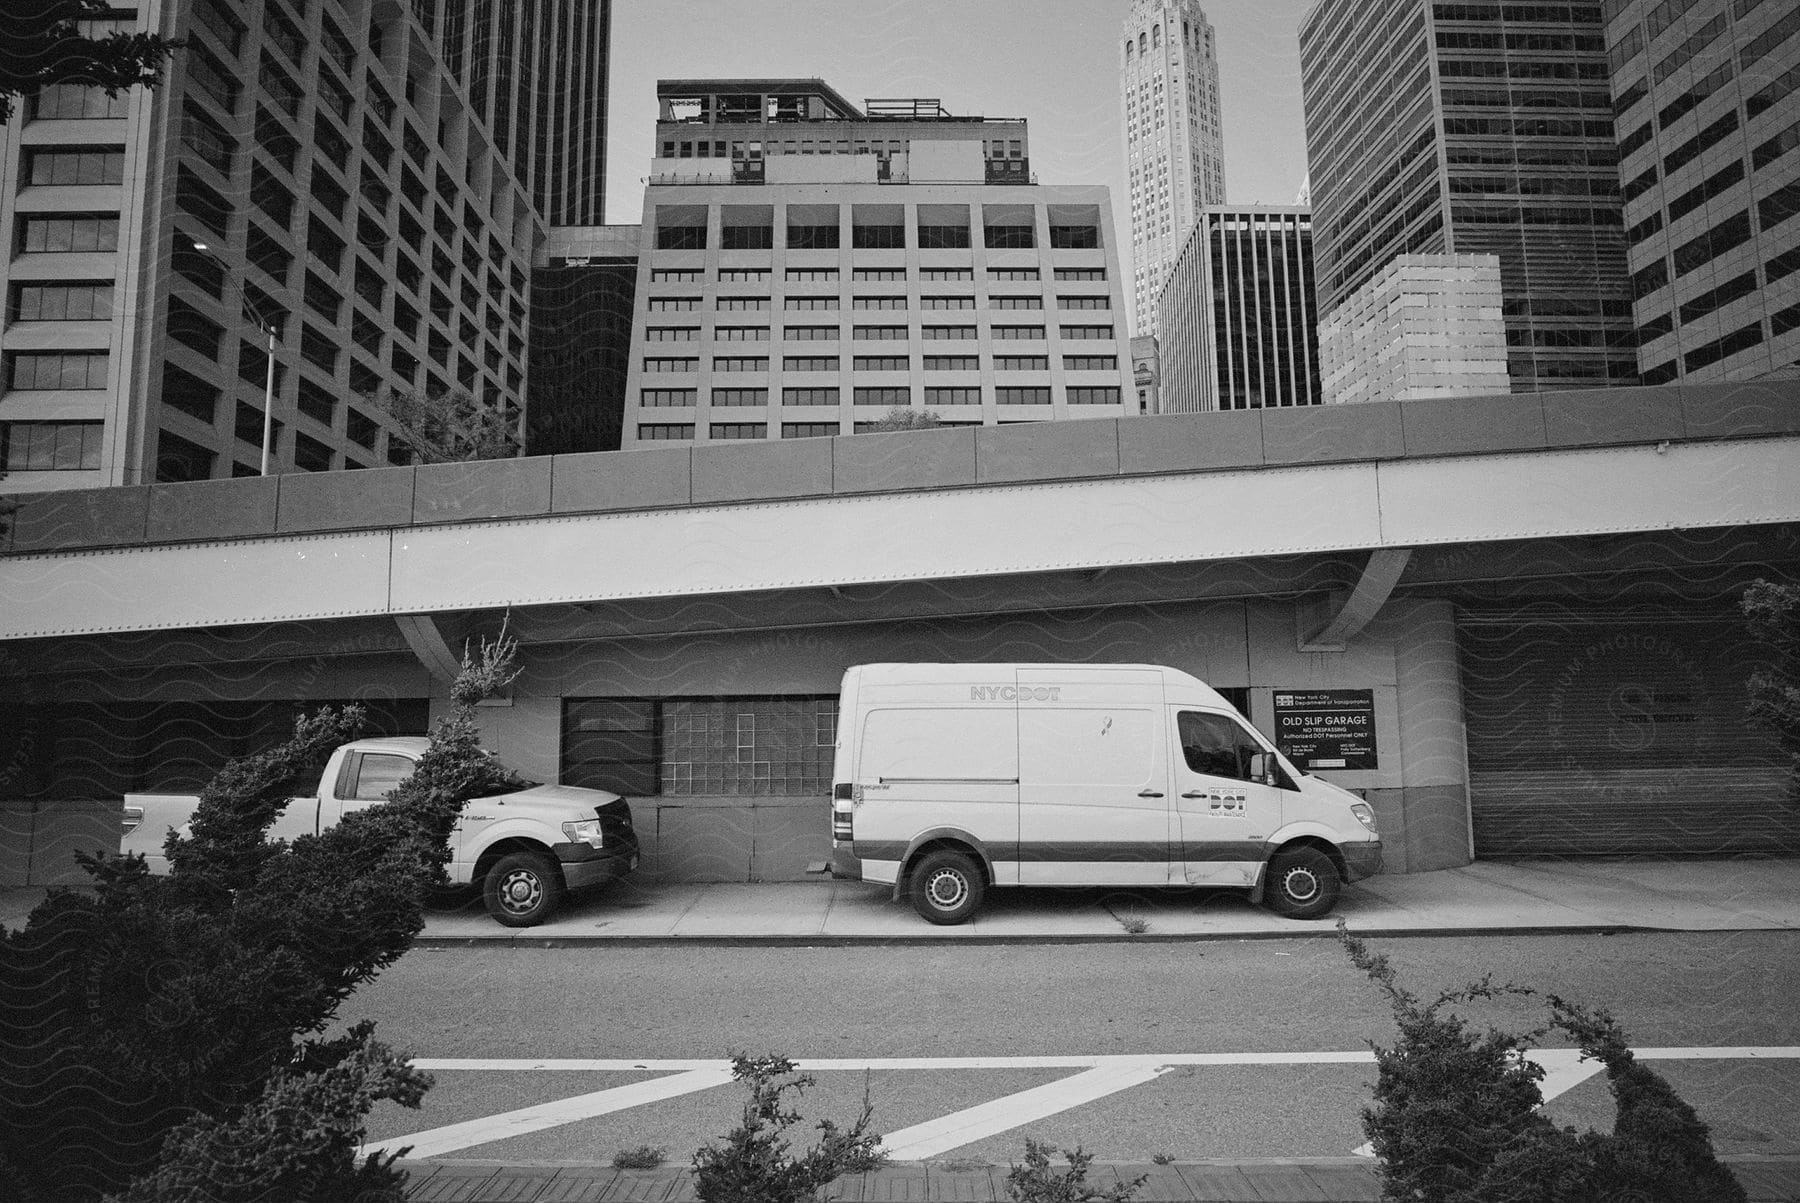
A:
(946, 887)
(522, 889)
(1302, 884)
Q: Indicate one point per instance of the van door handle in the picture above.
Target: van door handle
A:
(1195, 793)
(1149, 793)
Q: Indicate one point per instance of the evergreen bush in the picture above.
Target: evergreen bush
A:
(756, 1164)
(1037, 1181)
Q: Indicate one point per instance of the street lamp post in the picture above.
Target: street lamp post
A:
(268, 327)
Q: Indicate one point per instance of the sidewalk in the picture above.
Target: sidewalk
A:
(1484, 897)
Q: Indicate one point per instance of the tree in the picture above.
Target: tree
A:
(41, 44)
(1774, 613)
(450, 427)
(902, 418)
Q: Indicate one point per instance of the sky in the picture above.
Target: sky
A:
(1053, 62)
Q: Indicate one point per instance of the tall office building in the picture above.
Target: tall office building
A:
(368, 179)
(1238, 318)
(807, 265)
(1425, 326)
(1175, 154)
(1525, 167)
(1707, 94)
(583, 285)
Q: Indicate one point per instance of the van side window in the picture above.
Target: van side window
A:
(1216, 745)
(378, 774)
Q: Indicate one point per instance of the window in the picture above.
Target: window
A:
(809, 303)
(1081, 273)
(883, 363)
(876, 302)
(61, 302)
(674, 334)
(54, 165)
(948, 273)
(946, 302)
(310, 455)
(952, 363)
(812, 273)
(740, 363)
(316, 401)
(1717, 298)
(47, 370)
(885, 395)
(809, 396)
(671, 304)
(1778, 206)
(739, 430)
(1710, 353)
(71, 233)
(746, 238)
(675, 275)
(1015, 395)
(670, 363)
(50, 446)
(747, 304)
(188, 394)
(1084, 302)
(1021, 363)
(880, 333)
(1091, 363)
(650, 433)
(1008, 227)
(77, 102)
(741, 334)
(739, 396)
(1074, 237)
(943, 238)
(812, 237)
(738, 747)
(1715, 242)
(877, 237)
(810, 363)
(666, 397)
(957, 395)
(814, 333)
(1216, 745)
(1012, 273)
(1028, 333)
(808, 430)
(1083, 394)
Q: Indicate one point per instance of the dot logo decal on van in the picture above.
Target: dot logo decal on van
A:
(1012, 693)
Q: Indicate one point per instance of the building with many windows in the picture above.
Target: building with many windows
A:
(368, 179)
(1708, 100)
(819, 265)
(1475, 128)
(583, 285)
(1238, 324)
(1174, 151)
(1425, 326)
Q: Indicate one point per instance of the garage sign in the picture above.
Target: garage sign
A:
(1326, 728)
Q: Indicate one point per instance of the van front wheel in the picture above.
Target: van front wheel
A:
(946, 887)
(1302, 884)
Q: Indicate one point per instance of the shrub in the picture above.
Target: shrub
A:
(1037, 1182)
(756, 1164)
(164, 1034)
(1456, 1116)
(1773, 613)
(644, 1157)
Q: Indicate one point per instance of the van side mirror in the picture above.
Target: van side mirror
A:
(1262, 769)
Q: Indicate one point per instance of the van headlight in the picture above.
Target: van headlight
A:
(583, 831)
(1365, 815)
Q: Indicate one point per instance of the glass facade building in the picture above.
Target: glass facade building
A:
(1175, 155)
(1707, 96)
(1238, 319)
(370, 179)
(1475, 128)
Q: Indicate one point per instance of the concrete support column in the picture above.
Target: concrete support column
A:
(1429, 821)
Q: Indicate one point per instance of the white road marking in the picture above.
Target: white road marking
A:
(1102, 1075)
(490, 1128)
(977, 1123)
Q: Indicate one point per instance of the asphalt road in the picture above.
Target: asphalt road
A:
(1256, 996)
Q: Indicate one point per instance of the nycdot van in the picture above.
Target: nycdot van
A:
(950, 779)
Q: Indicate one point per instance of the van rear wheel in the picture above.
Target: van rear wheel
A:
(947, 887)
(1302, 884)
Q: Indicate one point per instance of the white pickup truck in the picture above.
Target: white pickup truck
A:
(525, 848)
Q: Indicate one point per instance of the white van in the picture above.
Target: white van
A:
(950, 778)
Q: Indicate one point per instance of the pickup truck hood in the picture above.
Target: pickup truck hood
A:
(562, 798)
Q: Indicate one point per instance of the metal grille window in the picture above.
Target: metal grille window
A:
(1022, 396)
(701, 747)
(656, 397)
(883, 363)
(740, 396)
(809, 396)
(952, 363)
(949, 332)
(664, 431)
(739, 430)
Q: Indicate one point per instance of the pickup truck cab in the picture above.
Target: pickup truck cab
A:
(525, 849)
(951, 779)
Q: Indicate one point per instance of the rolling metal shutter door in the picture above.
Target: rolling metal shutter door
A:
(1591, 734)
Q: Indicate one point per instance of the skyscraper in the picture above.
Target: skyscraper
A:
(369, 180)
(1425, 326)
(1526, 167)
(1707, 94)
(1237, 319)
(1175, 156)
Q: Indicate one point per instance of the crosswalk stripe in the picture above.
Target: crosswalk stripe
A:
(437, 1141)
(999, 1115)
